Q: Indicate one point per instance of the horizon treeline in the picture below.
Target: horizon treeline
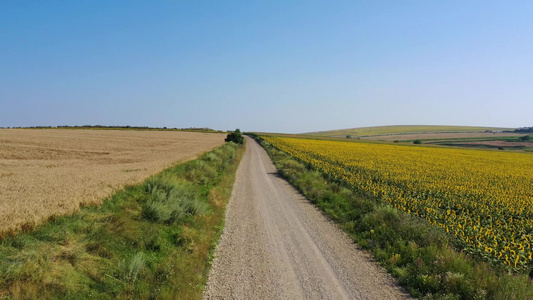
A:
(115, 127)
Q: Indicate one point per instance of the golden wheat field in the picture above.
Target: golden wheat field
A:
(484, 198)
(45, 172)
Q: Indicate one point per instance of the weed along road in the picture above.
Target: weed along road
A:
(276, 245)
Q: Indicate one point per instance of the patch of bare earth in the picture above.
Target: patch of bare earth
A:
(49, 172)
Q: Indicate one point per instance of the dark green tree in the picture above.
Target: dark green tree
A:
(235, 137)
(525, 138)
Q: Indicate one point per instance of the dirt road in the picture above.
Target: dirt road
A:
(276, 245)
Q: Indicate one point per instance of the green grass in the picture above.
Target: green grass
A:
(403, 129)
(426, 261)
(150, 241)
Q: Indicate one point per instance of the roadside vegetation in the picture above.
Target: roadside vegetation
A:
(154, 240)
(429, 262)
(235, 137)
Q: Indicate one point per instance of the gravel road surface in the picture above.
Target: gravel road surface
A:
(276, 245)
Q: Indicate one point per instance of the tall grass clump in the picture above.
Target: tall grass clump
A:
(130, 269)
(149, 241)
(171, 199)
(200, 172)
(427, 262)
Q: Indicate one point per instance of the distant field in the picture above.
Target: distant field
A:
(403, 129)
(49, 172)
(502, 145)
(442, 135)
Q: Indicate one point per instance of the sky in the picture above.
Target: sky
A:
(271, 66)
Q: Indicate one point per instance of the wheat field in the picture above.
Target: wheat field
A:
(46, 172)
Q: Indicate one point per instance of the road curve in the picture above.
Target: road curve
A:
(276, 245)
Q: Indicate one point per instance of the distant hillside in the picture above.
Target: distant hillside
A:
(404, 129)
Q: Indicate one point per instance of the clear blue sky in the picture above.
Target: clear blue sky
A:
(277, 66)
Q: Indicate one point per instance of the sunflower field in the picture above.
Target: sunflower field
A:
(484, 198)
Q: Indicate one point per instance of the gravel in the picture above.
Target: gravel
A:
(276, 245)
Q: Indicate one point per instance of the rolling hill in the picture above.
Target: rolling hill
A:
(404, 129)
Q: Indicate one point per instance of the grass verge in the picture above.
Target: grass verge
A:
(149, 241)
(425, 260)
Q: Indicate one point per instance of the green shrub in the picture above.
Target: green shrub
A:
(214, 159)
(161, 212)
(200, 172)
(171, 199)
(235, 137)
(525, 138)
(130, 270)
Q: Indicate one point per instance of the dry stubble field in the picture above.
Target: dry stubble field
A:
(46, 172)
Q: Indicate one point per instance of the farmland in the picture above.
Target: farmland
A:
(442, 136)
(483, 198)
(404, 129)
(52, 172)
(455, 136)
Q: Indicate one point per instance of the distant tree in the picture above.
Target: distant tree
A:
(524, 130)
(348, 136)
(235, 137)
(417, 142)
(525, 138)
